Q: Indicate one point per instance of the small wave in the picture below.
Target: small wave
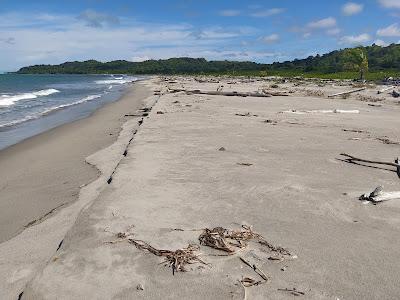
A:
(48, 111)
(83, 100)
(8, 100)
(46, 92)
(116, 81)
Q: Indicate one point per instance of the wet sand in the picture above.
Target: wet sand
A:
(45, 172)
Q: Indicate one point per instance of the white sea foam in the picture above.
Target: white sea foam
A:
(8, 100)
(116, 80)
(48, 111)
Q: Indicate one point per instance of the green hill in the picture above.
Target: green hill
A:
(183, 65)
(383, 61)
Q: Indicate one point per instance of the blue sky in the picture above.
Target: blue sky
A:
(40, 31)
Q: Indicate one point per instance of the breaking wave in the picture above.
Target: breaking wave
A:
(8, 100)
(48, 111)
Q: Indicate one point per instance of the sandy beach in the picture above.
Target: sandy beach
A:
(36, 195)
(267, 170)
(45, 172)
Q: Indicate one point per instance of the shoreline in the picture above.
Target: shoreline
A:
(45, 172)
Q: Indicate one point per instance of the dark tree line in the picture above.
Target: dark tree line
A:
(182, 65)
(377, 59)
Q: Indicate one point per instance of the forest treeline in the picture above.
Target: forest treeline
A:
(382, 60)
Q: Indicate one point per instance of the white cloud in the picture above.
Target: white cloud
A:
(390, 3)
(381, 43)
(140, 58)
(229, 13)
(220, 33)
(351, 8)
(333, 31)
(270, 39)
(26, 39)
(327, 25)
(267, 13)
(322, 24)
(95, 19)
(212, 54)
(355, 39)
(10, 40)
(390, 31)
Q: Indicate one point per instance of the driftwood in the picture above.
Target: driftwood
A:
(177, 259)
(347, 93)
(220, 93)
(396, 163)
(232, 241)
(395, 94)
(321, 111)
(227, 240)
(385, 90)
(272, 93)
(378, 195)
(387, 141)
(256, 269)
(293, 291)
(249, 282)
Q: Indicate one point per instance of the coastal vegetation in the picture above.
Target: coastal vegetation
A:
(371, 62)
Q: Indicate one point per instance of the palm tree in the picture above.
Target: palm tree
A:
(356, 59)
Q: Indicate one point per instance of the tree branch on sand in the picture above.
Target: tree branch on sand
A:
(396, 163)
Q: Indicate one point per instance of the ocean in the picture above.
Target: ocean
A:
(32, 104)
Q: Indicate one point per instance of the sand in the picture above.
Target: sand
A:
(46, 171)
(279, 172)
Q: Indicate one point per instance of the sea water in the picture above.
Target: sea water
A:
(32, 104)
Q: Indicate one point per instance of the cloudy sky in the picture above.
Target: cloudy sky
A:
(52, 31)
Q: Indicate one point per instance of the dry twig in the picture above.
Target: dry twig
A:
(256, 269)
(249, 282)
(177, 259)
(293, 291)
(232, 241)
(353, 159)
(245, 164)
(227, 240)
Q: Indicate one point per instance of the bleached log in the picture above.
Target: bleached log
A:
(322, 111)
(342, 111)
(220, 93)
(272, 93)
(386, 89)
(378, 195)
(347, 93)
